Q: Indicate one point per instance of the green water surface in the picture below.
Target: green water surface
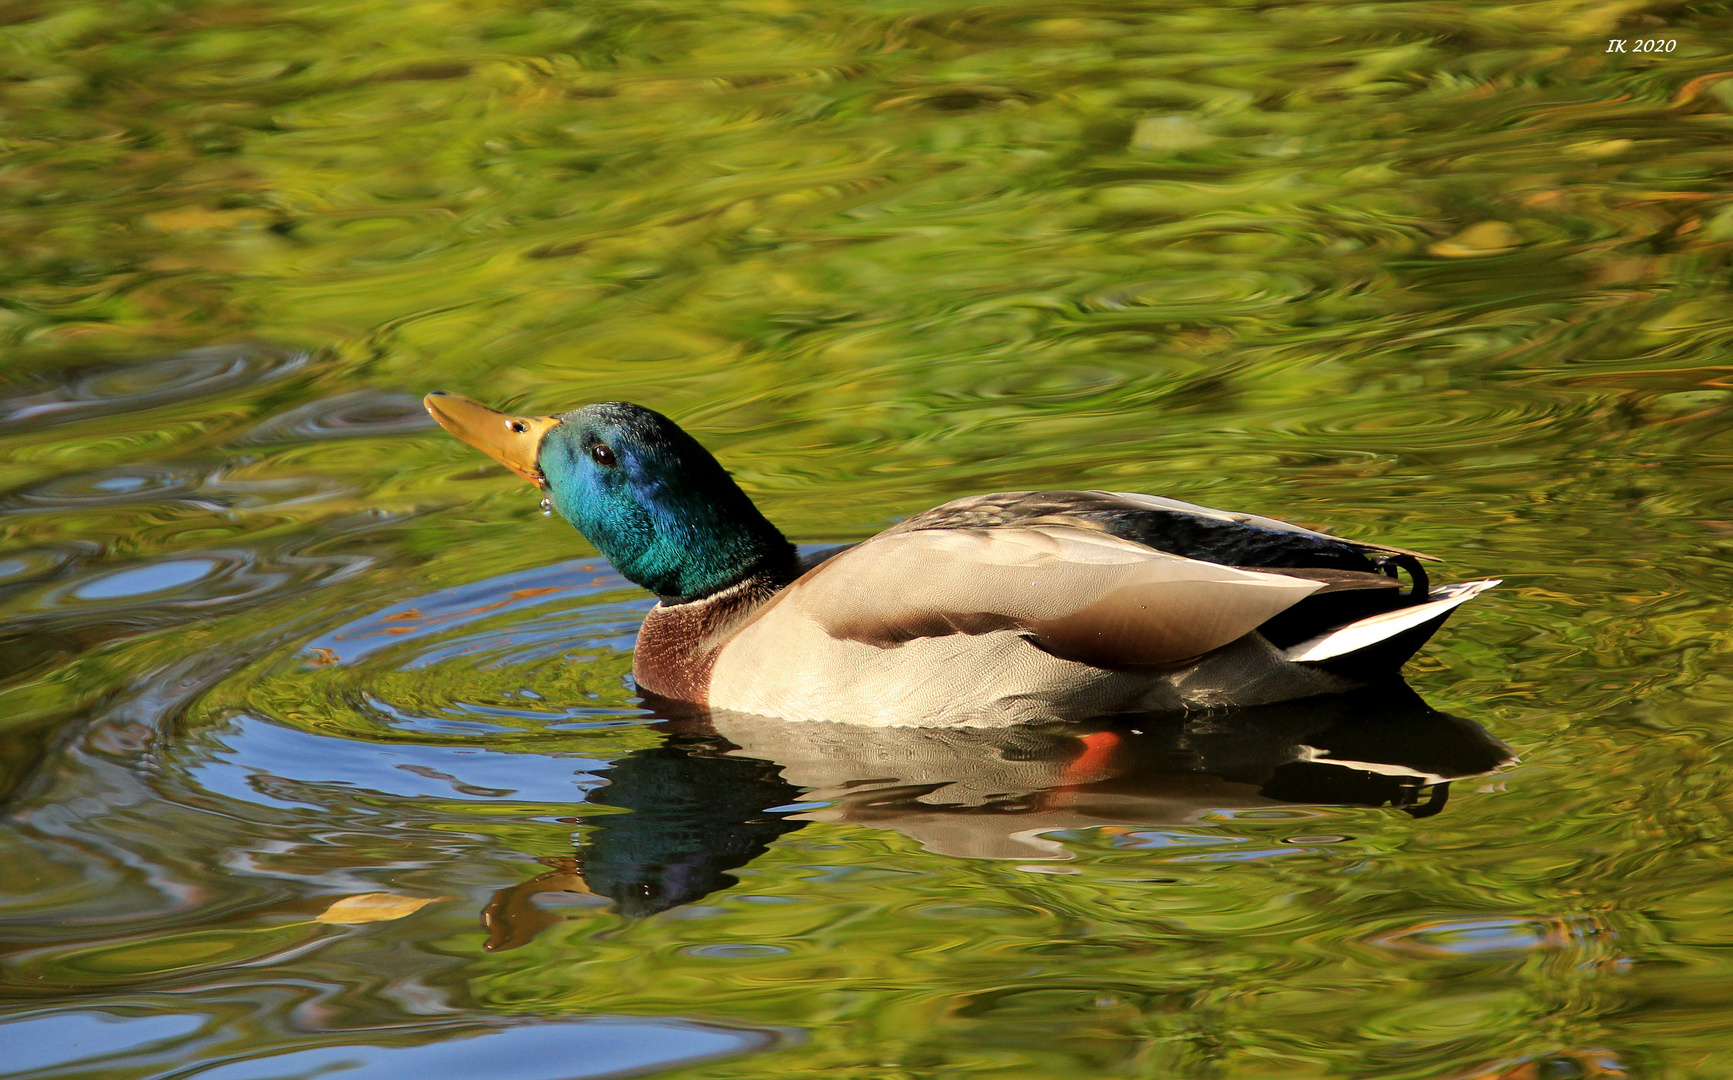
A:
(1452, 276)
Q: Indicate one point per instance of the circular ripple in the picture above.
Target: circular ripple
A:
(1476, 938)
(1199, 293)
(145, 385)
(209, 578)
(732, 951)
(108, 487)
(17, 567)
(361, 413)
(1438, 422)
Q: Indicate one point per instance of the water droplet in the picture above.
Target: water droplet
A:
(547, 508)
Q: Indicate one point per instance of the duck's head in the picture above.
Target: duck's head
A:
(655, 503)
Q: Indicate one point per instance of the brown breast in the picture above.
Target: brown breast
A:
(678, 643)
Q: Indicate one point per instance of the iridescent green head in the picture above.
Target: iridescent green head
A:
(655, 503)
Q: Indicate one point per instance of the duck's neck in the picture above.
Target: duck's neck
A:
(683, 542)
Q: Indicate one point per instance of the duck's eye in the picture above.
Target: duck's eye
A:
(518, 426)
(601, 454)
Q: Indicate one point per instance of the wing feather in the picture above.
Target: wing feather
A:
(1094, 510)
(1158, 502)
(1081, 595)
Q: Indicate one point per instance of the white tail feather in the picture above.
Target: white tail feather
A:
(1369, 631)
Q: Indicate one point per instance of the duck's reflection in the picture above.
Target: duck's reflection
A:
(724, 786)
(694, 812)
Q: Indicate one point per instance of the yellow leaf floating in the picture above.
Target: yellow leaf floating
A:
(1599, 148)
(1160, 133)
(1485, 238)
(197, 219)
(375, 907)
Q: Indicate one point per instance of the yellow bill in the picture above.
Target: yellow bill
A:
(513, 441)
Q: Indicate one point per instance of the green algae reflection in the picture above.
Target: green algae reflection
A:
(1446, 275)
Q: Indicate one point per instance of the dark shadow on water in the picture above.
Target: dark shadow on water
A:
(723, 787)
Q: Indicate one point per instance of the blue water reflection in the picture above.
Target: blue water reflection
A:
(258, 761)
(54, 1039)
(445, 610)
(577, 1049)
(157, 577)
(70, 1043)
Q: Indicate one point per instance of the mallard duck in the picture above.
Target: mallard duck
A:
(990, 610)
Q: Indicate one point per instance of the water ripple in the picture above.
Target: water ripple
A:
(354, 415)
(111, 487)
(565, 1049)
(146, 385)
(1447, 276)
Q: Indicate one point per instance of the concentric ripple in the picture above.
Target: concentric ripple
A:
(111, 487)
(358, 414)
(146, 385)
